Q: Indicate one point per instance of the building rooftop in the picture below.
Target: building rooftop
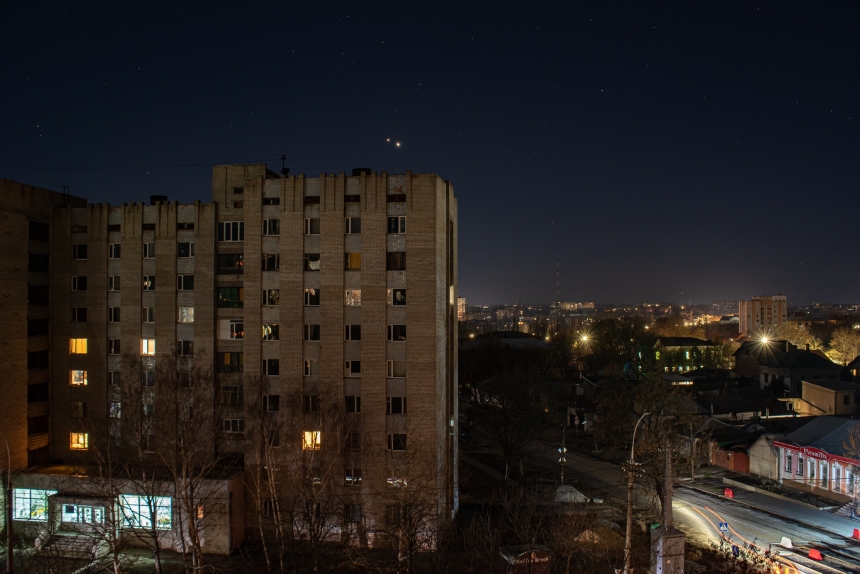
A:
(826, 433)
(834, 385)
(682, 342)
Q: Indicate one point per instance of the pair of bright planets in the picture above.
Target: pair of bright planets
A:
(396, 144)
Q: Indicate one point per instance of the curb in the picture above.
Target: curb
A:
(767, 511)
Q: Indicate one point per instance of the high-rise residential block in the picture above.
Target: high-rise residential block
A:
(762, 315)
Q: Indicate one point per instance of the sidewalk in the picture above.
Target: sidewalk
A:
(819, 519)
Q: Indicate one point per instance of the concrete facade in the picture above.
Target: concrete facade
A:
(762, 315)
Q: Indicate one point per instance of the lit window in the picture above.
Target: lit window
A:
(78, 346)
(147, 347)
(352, 298)
(352, 477)
(78, 378)
(311, 440)
(351, 261)
(185, 315)
(79, 513)
(79, 441)
(397, 296)
(271, 333)
(31, 504)
(137, 511)
(271, 297)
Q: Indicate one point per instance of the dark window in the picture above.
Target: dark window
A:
(37, 327)
(115, 227)
(37, 295)
(37, 393)
(271, 403)
(184, 348)
(232, 395)
(148, 227)
(114, 251)
(184, 227)
(312, 226)
(312, 297)
(397, 224)
(352, 332)
(113, 347)
(37, 360)
(395, 261)
(397, 332)
(271, 262)
(846, 399)
(312, 332)
(78, 409)
(230, 362)
(231, 231)
(185, 282)
(397, 442)
(231, 296)
(79, 228)
(312, 261)
(40, 263)
(394, 198)
(271, 227)
(312, 403)
(312, 199)
(185, 250)
(79, 251)
(271, 201)
(238, 190)
(350, 198)
(353, 441)
(231, 264)
(395, 405)
(38, 425)
(353, 404)
(273, 437)
(271, 367)
(40, 231)
(79, 283)
(352, 368)
(79, 314)
(352, 477)
(352, 225)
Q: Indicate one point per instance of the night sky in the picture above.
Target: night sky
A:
(650, 147)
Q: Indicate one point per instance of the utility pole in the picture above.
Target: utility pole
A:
(561, 451)
(10, 549)
(631, 467)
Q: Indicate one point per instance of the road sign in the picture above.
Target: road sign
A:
(576, 420)
(736, 550)
(724, 526)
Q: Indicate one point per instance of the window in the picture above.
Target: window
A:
(397, 332)
(351, 261)
(271, 201)
(115, 410)
(312, 297)
(395, 261)
(185, 226)
(185, 250)
(40, 231)
(114, 283)
(352, 225)
(39, 263)
(352, 368)
(271, 333)
(31, 504)
(184, 348)
(37, 393)
(395, 405)
(352, 332)
(271, 227)
(38, 425)
(238, 190)
(37, 295)
(394, 514)
(271, 262)
(231, 362)
(115, 227)
(79, 441)
(78, 513)
(147, 347)
(271, 403)
(114, 348)
(149, 250)
(352, 298)
(273, 437)
(185, 314)
(79, 283)
(114, 251)
(78, 409)
(79, 228)
(312, 403)
(78, 346)
(147, 379)
(37, 360)
(353, 441)
(397, 442)
(137, 511)
(113, 314)
(114, 378)
(397, 224)
(396, 369)
(231, 296)
(352, 477)
(231, 264)
(352, 404)
(312, 226)
(148, 314)
(271, 297)
(37, 327)
(232, 395)
(233, 426)
(184, 380)
(231, 231)
(312, 261)
(397, 296)
(788, 461)
(235, 329)
(78, 378)
(79, 252)
(352, 513)
(311, 440)
(312, 367)
(312, 332)
(149, 282)
(185, 282)
(846, 399)
(271, 367)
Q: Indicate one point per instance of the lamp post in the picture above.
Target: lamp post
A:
(630, 470)
(10, 556)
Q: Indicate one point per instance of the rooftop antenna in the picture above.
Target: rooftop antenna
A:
(557, 281)
(284, 169)
(65, 189)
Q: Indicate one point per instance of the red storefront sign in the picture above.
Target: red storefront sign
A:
(815, 453)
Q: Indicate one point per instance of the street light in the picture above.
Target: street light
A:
(630, 467)
(10, 555)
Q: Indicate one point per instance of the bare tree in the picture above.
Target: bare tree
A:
(845, 344)
(799, 335)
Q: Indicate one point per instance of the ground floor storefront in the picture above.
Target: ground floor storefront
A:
(818, 471)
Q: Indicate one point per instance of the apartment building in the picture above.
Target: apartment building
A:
(287, 297)
(762, 315)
